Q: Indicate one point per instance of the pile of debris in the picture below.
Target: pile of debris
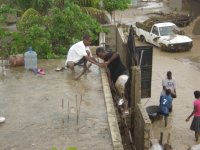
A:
(179, 19)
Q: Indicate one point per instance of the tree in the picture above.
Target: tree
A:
(65, 30)
(5, 36)
(52, 34)
(111, 5)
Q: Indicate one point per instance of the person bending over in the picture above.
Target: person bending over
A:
(118, 73)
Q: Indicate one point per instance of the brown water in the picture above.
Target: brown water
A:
(32, 105)
(185, 67)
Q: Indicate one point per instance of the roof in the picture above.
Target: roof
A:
(164, 24)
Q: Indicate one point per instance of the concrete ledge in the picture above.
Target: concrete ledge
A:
(112, 118)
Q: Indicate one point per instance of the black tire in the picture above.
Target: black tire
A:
(142, 39)
(163, 47)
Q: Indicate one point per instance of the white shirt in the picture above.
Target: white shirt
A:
(169, 84)
(77, 52)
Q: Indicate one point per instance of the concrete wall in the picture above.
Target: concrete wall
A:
(112, 118)
(176, 5)
(110, 38)
(142, 126)
(194, 9)
(121, 45)
(116, 41)
(140, 120)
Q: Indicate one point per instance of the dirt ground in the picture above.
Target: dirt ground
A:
(32, 105)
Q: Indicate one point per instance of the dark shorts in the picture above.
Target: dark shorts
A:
(81, 61)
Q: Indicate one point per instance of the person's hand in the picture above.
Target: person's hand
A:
(102, 65)
(187, 119)
(107, 62)
(173, 95)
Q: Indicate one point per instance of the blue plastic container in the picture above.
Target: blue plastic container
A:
(30, 59)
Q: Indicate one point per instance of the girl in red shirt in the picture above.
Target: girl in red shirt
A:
(195, 126)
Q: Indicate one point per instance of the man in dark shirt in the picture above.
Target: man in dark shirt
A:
(118, 72)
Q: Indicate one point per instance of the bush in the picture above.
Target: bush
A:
(28, 19)
(33, 33)
(111, 5)
(5, 36)
(39, 39)
(53, 34)
(67, 26)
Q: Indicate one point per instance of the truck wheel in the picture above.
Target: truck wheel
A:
(163, 47)
(142, 39)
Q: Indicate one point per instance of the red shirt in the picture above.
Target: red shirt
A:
(197, 107)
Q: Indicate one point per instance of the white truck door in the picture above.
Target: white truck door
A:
(154, 35)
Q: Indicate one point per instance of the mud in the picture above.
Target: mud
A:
(37, 119)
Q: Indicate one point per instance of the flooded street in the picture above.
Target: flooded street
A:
(37, 119)
(185, 67)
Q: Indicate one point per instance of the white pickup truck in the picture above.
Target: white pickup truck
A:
(164, 35)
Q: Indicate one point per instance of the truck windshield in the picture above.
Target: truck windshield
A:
(167, 30)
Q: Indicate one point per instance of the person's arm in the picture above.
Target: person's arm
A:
(114, 56)
(94, 61)
(163, 84)
(188, 118)
(160, 99)
(175, 87)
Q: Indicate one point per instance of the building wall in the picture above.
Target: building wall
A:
(194, 9)
(141, 133)
(141, 128)
(176, 5)
(115, 41)
(110, 38)
(121, 46)
(185, 5)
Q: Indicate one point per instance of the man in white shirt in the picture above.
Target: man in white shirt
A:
(169, 83)
(79, 53)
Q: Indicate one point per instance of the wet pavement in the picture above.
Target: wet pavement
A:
(185, 67)
(37, 119)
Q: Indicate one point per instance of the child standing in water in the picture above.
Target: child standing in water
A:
(195, 126)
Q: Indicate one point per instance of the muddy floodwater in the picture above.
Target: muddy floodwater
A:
(185, 67)
(41, 110)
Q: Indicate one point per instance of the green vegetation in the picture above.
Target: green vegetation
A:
(111, 5)
(51, 35)
(4, 34)
(52, 26)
